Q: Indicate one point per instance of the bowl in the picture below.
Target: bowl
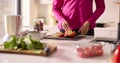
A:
(35, 34)
(42, 34)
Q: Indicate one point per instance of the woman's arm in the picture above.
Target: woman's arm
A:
(100, 7)
(57, 5)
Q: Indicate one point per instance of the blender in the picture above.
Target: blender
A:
(12, 25)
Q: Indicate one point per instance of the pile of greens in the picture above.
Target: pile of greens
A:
(23, 43)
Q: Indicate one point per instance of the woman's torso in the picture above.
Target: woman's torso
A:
(77, 12)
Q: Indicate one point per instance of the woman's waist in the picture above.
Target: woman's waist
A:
(76, 26)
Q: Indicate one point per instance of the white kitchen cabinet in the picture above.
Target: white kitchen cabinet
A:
(107, 32)
(46, 1)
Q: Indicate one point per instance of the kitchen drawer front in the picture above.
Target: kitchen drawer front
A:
(107, 32)
(114, 33)
(101, 33)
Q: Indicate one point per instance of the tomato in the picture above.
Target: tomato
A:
(87, 53)
(116, 55)
(73, 34)
(79, 49)
(92, 51)
(86, 48)
(91, 47)
(62, 35)
(82, 54)
(70, 34)
(99, 52)
(97, 47)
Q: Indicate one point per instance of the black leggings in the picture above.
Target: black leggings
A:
(90, 32)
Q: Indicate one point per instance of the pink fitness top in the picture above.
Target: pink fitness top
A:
(76, 12)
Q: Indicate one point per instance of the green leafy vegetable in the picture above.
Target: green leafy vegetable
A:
(11, 44)
(23, 43)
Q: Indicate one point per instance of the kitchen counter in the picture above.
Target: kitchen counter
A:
(64, 54)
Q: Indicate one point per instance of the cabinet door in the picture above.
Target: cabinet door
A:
(45, 1)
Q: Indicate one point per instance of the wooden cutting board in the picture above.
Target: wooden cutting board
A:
(29, 52)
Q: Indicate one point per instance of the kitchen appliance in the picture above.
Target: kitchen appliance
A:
(116, 42)
(116, 55)
(12, 25)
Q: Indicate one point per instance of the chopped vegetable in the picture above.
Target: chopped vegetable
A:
(23, 43)
(11, 44)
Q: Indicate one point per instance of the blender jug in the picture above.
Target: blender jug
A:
(12, 24)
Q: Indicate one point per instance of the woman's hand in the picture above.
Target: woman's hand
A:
(84, 29)
(65, 26)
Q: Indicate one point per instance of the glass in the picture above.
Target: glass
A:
(38, 24)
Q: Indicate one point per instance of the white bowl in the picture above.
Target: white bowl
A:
(42, 34)
(35, 34)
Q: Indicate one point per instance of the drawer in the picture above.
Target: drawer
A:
(101, 33)
(114, 33)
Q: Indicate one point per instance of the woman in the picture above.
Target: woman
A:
(77, 15)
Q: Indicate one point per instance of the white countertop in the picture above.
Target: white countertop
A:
(64, 54)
